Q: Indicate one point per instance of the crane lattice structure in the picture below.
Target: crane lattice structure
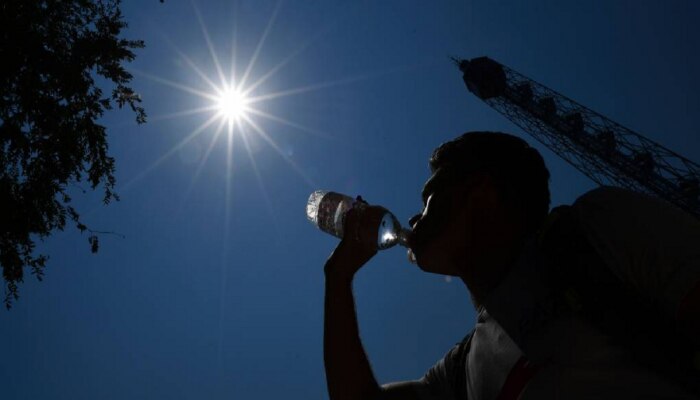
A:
(605, 151)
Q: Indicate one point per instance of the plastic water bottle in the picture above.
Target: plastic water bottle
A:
(327, 210)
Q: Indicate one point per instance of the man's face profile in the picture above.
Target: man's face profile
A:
(465, 229)
(438, 230)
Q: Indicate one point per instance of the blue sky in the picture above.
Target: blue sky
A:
(200, 302)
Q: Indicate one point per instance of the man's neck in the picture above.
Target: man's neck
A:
(491, 269)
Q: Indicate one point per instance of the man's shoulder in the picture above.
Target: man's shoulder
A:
(447, 378)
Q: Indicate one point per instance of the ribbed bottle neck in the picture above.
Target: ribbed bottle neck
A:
(404, 236)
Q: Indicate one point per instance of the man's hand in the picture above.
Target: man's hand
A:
(359, 242)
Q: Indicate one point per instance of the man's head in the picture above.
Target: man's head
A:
(488, 191)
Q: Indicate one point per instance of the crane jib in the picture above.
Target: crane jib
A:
(605, 151)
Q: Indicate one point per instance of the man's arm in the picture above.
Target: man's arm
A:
(348, 372)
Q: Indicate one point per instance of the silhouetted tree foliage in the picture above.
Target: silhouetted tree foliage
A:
(51, 53)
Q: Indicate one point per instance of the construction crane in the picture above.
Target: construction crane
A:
(600, 148)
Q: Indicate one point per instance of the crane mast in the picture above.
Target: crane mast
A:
(605, 151)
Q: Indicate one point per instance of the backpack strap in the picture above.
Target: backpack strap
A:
(460, 373)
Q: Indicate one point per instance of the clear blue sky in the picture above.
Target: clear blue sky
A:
(196, 302)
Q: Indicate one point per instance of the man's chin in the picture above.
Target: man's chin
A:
(416, 259)
(429, 265)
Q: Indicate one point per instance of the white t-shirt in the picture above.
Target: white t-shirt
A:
(646, 243)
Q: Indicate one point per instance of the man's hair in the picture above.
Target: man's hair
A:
(518, 170)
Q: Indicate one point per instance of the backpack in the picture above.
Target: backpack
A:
(587, 287)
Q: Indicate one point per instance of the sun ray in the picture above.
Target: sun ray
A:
(170, 152)
(234, 45)
(222, 299)
(189, 62)
(305, 89)
(258, 177)
(275, 146)
(254, 57)
(183, 113)
(338, 82)
(214, 58)
(250, 88)
(227, 223)
(346, 142)
(287, 122)
(202, 162)
(229, 169)
(175, 85)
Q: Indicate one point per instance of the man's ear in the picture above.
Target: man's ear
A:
(477, 196)
(490, 211)
(482, 192)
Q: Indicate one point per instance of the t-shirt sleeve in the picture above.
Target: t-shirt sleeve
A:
(442, 379)
(649, 244)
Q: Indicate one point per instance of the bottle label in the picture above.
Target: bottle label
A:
(331, 213)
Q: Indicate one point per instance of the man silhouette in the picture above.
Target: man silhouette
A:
(548, 287)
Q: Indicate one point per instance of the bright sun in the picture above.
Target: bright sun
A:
(232, 104)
